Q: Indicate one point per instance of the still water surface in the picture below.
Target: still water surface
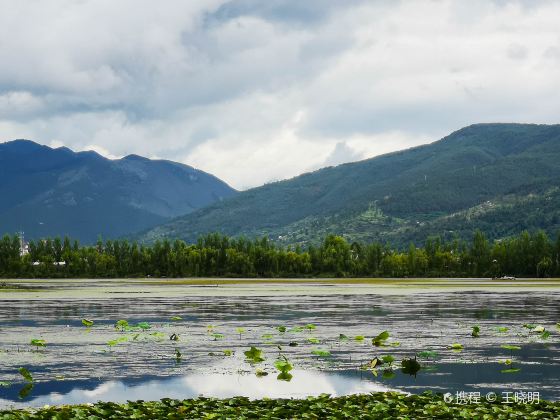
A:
(78, 365)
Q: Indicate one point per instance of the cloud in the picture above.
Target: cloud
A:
(256, 91)
(342, 153)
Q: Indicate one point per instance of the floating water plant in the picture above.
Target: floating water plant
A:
(281, 329)
(178, 355)
(122, 324)
(87, 322)
(388, 359)
(259, 372)
(313, 340)
(26, 374)
(380, 339)
(510, 347)
(284, 367)
(116, 341)
(410, 366)
(254, 355)
(158, 335)
(240, 331)
(267, 337)
(342, 337)
(176, 318)
(512, 370)
(143, 326)
(228, 352)
(217, 336)
(545, 335)
(321, 353)
(475, 331)
(38, 343)
(456, 346)
(502, 329)
(428, 354)
(359, 338)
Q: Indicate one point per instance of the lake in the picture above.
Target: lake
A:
(186, 338)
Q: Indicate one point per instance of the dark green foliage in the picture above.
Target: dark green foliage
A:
(388, 405)
(214, 255)
(499, 178)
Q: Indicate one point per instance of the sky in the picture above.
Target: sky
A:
(258, 91)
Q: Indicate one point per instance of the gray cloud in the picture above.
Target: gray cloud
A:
(253, 91)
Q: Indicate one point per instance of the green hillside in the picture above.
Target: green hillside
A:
(501, 178)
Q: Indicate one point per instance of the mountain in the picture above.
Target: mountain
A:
(56, 192)
(502, 178)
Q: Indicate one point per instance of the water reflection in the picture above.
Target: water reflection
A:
(304, 383)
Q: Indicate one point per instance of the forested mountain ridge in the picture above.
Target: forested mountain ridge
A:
(57, 192)
(403, 196)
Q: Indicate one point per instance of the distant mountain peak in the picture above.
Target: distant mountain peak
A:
(55, 192)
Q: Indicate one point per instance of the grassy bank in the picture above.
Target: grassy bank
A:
(373, 406)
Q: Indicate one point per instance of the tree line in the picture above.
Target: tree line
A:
(215, 255)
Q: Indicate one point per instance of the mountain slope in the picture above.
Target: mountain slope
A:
(51, 192)
(395, 196)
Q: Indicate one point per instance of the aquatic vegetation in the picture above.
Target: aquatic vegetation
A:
(310, 327)
(510, 347)
(122, 339)
(380, 339)
(87, 322)
(254, 355)
(122, 324)
(174, 337)
(176, 318)
(343, 337)
(228, 352)
(502, 329)
(321, 353)
(217, 336)
(538, 329)
(267, 337)
(376, 405)
(456, 346)
(512, 370)
(158, 335)
(178, 355)
(410, 366)
(240, 331)
(313, 340)
(359, 338)
(260, 372)
(428, 354)
(143, 326)
(388, 359)
(37, 342)
(475, 331)
(281, 329)
(284, 367)
(545, 335)
(26, 374)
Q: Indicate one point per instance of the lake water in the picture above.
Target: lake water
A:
(78, 364)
